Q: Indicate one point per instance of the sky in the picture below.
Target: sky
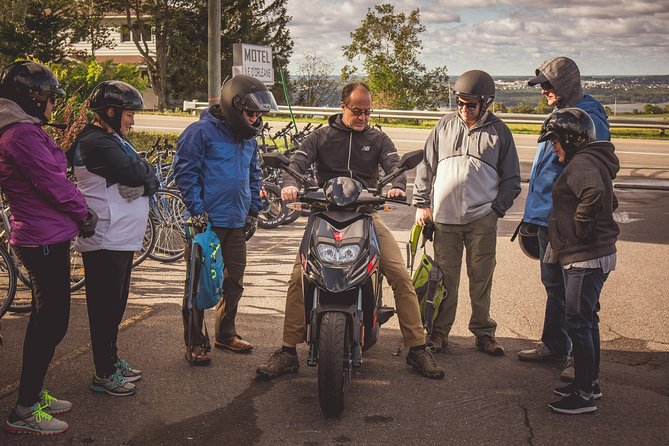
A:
(502, 37)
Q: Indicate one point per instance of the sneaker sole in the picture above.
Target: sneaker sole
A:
(574, 411)
(101, 389)
(28, 430)
(56, 412)
(267, 375)
(565, 394)
(132, 379)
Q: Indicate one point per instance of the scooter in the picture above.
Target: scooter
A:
(341, 279)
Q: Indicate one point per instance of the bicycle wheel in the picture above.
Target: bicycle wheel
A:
(168, 212)
(148, 242)
(7, 281)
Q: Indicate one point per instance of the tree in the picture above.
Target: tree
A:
(542, 107)
(89, 27)
(521, 107)
(389, 45)
(651, 109)
(314, 86)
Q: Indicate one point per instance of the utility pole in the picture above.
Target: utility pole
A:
(214, 59)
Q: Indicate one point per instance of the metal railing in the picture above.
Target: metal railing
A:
(423, 115)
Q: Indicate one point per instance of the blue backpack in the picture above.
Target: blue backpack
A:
(210, 282)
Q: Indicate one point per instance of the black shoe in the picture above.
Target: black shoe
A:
(574, 404)
(570, 388)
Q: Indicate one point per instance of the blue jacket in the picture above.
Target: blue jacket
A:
(216, 173)
(547, 168)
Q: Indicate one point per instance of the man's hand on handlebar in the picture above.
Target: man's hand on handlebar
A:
(289, 193)
(423, 215)
(396, 192)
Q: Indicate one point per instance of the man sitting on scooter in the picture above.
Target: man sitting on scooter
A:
(350, 147)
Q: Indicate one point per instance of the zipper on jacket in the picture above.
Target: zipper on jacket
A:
(350, 144)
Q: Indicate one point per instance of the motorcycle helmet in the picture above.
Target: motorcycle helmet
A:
(529, 241)
(245, 93)
(571, 126)
(117, 95)
(476, 84)
(30, 85)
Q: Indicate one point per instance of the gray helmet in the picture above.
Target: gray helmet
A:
(572, 126)
(117, 95)
(476, 84)
(245, 93)
(30, 85)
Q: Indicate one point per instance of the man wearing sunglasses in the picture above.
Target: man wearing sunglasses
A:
(468, 179)
(349, 147)
(216, 169)
(560, 81)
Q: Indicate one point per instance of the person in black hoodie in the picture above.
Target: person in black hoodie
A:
(582, 238)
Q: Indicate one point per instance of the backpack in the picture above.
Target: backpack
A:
(428, 279)
(210, 281)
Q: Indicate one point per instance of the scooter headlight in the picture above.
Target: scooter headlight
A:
(332, 254)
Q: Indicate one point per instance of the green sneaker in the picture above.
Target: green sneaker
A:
(279, 363)
(35, 421)
(128, 373)
(51, 405)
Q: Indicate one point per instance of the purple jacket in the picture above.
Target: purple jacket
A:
(46, 207)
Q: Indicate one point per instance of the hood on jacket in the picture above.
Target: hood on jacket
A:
(593, 108)
(12, 113)
(565, 77)
(336, 122)
(604, 151)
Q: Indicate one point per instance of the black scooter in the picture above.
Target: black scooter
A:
(341, 279)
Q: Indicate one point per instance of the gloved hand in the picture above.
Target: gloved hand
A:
(87, 227)
(251, 226)
(130, 193)
(199, 222)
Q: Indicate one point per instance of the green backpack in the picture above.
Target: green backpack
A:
(428, 279)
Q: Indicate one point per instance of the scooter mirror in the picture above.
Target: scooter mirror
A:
(411, 159)
(275, 160)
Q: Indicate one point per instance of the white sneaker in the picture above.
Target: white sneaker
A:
(539, 353)
(35, 421)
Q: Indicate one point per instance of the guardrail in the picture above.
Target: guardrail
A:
(423, 115)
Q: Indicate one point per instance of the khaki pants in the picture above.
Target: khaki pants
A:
(393, 268)
(479, 238)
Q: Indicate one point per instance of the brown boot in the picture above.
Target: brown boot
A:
(489, 345)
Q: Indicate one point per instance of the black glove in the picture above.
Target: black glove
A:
(199, 222)
(251, 226)
(428, 230)
(87, 227)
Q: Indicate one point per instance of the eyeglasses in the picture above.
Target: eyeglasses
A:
(546, 85)
(469, 105)
(358, 112)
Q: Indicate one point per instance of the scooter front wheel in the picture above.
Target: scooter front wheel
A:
(334, 362)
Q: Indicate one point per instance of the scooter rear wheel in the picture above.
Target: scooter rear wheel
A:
(334, 362)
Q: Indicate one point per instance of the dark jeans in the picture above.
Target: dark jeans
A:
(233, 249)
(554, 335)
(583, 287)
(107, 287)
(49, 270)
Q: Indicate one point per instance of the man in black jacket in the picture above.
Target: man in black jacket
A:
(582, 238)
(349, 147)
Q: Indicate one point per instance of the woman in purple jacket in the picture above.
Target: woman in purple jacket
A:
(48, 211)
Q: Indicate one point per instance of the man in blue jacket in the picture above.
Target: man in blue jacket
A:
(216, 169)
(560, 82)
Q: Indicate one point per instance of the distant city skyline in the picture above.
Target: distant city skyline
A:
(503, 37)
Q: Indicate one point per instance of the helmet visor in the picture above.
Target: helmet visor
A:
(259, 101)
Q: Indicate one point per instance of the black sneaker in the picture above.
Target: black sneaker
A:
(279, 363)
(423, 361)
(570, 388)
(574, 404)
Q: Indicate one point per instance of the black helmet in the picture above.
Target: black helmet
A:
(571, 126)
(529, 241)
(30, 85)
(245, 93)
(115, 94)
(476, 84)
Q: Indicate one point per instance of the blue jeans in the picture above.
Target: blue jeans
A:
(554, 335)
(583, 287)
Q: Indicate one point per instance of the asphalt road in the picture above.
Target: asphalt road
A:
(482, 400)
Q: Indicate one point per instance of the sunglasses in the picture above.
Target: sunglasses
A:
(469, 105)
(358, 112)
(253, 114)
(546, 85)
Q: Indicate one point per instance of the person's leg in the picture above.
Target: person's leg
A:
(583, 287)
(124, 261)
(392, 266)
(448, 247)
(294, 327)
(480, 245)
(554, 335)
(233, 248)
(49, 270)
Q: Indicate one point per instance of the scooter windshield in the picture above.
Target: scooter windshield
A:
(342, 191)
